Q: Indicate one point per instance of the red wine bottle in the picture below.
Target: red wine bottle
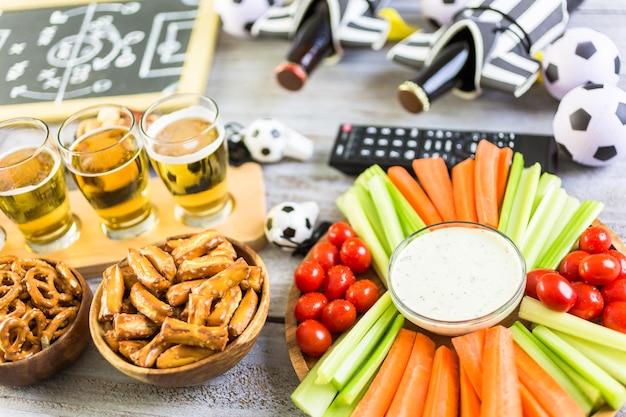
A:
(445, 72)
(312, 43)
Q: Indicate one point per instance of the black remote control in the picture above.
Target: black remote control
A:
(357, 147)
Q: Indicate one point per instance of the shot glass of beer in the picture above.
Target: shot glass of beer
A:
(33, 186)
(105, 157)
(185, 140)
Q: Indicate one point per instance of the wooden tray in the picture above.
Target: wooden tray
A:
(303, 363)
(94, 251)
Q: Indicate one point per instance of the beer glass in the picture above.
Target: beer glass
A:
(33, 186)
(185, 141)
(105, 157)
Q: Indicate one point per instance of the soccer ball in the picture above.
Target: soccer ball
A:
(269, 140)
(580, 56)
(238, 15)
(441, 12)
(289, 224)
(590, 124)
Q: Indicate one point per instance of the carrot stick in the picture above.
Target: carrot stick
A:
(380, 393)
(530, 404)
(434, 177)
(470, 403)
(504, 164)
(501, 393)
(486, 180)
(442, 398)
(550, 394)
(411, 393)
(463, 190)
(469, 347)
(414, 193)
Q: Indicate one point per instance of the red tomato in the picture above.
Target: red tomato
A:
(569, 264)
(338, 232)
(589, 301)
(313, 338)
(556, 292)
(621, 258)
(309, 276)
(325, 253)
(309, 306)
(338, 279)
(614, 291)
(363, 294)
(338, 315)
(532, 278)
(356, 255)
(614, 316)
(595, 239)
(599, 268)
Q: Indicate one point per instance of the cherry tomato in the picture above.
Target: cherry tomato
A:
(614, 291)
(325, 253)
(532, 278)
(338, 315)
(338, 279)
(556, 292)
(338, 232)
(621, 258)
(569, 264)
(614, 316)
(363, 294)
(599, 268)
(309, 306)
(313, 338)
(589, 301)
(356, 255)
(309, 276)
(595, 239)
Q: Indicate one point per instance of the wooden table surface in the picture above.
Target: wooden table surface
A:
(359, 89)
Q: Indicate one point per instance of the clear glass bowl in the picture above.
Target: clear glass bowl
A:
(452, 278)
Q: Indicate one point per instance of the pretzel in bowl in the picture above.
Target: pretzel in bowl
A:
(177, 303)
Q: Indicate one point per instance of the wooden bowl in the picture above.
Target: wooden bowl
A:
(61, 352)
(203, 370)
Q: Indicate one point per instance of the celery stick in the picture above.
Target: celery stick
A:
(539, 227)
(369, 208)
(612, 390)
(384, 207)
(586, 213)
(515, 172)
(351, 339)
(569, 208)
(411, 221)
(536, 312)
(338, 409)
(363, 349)
(547, 181)
(523, 202)
(359, 383)
(536, 350)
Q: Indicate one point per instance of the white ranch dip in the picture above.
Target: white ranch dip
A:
(456, 273)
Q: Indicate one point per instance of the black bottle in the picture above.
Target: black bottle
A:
(444, 73)
(312, 43)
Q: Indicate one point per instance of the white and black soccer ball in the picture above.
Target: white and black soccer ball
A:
(440, 12)
(289, 224)
(238, 15)
(590, 124)
(580, 56)
(266, 139)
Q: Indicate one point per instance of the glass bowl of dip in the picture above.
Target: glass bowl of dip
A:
(452, 278)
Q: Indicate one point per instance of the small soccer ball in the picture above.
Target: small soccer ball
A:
(266, 140)
(441, 12)
(590, 124)
(580, 56)
(289, 224)
(238, 15)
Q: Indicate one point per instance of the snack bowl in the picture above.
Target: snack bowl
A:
(62, 351)
(452, 278)
(202, 370)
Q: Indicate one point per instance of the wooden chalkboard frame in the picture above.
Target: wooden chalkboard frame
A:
(194, 74)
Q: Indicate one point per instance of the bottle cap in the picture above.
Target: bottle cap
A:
(291, 76)
(412, 97)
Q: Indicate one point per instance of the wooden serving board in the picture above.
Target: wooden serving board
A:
(94, 251)
(303, 363)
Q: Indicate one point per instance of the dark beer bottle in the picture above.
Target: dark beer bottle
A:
(312, 43)
(444, 73)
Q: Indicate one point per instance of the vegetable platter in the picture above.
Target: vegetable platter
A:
(529, 206)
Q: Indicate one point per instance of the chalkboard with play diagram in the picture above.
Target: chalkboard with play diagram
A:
(58, 56)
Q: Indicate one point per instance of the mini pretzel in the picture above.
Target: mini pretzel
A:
(161, 260)
(202, 266)
(179, 355)
(21, 266)
(112, 293)
(220, 283)
(15, 308)
(244, 313)
(6, 261)
(209, 337)
(38, 279)
(133, 326)
(197, 245)
(254, 279)
(198, 309)
(58, 326)
(66, 274)
(11, 287)
(147, 355)
(36, 321)
(178, 294)
(146, 273)
(225, 307)
(127, 347)
(149, 305)
(14, 339)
